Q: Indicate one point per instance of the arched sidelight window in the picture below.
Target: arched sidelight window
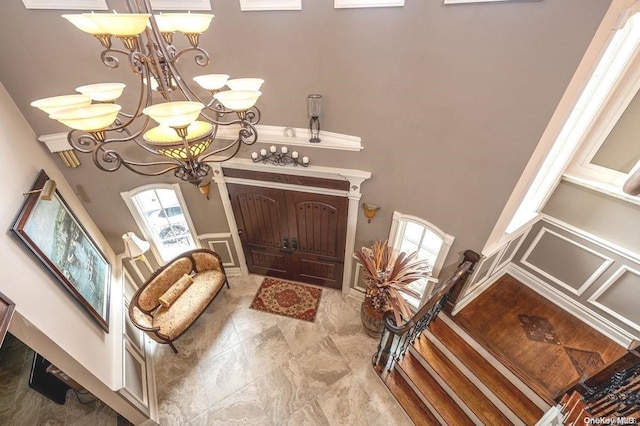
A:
(409, 234)
(163, 218)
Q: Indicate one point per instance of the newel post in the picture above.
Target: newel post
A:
(469, 256)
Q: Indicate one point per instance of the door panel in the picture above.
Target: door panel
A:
(261, 216)
(293, 235)
(319, 228)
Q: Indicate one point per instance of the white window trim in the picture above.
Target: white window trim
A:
(469, 1)
(343, 4)
(127, 196)
(102, 5)
(395, 240)
(395, 237)
(66, 4)
(254, 5)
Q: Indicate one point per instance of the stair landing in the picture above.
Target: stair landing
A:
(546, 347)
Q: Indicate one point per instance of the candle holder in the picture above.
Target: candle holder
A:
(279, 158)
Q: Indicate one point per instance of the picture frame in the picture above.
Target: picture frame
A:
(53, 233)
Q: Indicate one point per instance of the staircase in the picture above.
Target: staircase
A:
(447, 378)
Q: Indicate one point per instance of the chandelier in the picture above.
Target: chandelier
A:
(182, 127)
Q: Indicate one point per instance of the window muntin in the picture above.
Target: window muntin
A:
(163, 219)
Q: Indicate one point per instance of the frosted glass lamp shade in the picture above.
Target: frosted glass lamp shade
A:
(57, 103)
(174, 114)
(190, 23)
(90, 118)
(134, 246)
(102, 92)
(120, 24)
(85, 24)
(165, 23)
(245, 83)
(212, 81)
(238, 100)
(169, 144)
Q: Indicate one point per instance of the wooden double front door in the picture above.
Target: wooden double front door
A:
(292, 235)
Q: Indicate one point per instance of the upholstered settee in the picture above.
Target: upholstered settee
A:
(175, 295)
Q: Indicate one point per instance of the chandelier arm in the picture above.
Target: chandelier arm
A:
(84, 143)
(115, 160)
(237, 144)
(201, 57)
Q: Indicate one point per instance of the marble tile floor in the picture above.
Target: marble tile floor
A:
(22, 406)
(241, 366)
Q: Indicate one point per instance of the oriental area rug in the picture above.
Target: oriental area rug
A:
(288, 299)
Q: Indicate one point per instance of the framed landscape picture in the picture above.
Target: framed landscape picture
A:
(53, 233)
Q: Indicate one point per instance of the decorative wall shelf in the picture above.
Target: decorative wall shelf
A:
(297, 137)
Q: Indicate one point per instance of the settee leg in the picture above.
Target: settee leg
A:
(227, 282)
(175, 351)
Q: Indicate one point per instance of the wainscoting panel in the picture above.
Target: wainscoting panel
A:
(222, 243)
(587, 276)
(566, 262)
(613, 296)
(574, 268)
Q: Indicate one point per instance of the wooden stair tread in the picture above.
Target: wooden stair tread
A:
(408, 400)
(466, 390)
(497, 383)
(446, 407)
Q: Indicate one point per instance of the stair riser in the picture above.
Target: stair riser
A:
(481, 386)
(528, 392)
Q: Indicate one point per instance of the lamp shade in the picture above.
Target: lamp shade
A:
(102, 92)
(174, 114)
(212, 81)
(190, 23)
(245, 83)
(168, 143)
(238, 100)
(84, 24)
(57, 103)
(90, 118)
(165, 23)
(134, 246)
(119, 24)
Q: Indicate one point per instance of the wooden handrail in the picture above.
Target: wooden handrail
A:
(395, 339)
(389, 323)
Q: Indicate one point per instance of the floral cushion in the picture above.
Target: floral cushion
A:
(184, 311)
(175, 291)
(148, 299)
(206, 262)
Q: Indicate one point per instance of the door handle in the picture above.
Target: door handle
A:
(294, 244)
(285, 243)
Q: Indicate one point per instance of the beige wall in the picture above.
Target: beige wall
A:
(450, 101)
(47, 317)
